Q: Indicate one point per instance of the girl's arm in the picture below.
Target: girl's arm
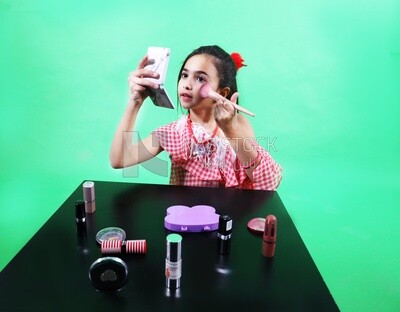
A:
(123, 152)
(240, 135)
(257, 163)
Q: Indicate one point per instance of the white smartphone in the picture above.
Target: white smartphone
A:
(159, 58)
(160, 97)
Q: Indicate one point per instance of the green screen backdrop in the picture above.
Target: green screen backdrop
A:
(323, 78)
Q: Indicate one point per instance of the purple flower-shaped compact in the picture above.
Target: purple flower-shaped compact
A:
(199, 218)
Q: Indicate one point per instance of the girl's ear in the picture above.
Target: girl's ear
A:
(225, 91)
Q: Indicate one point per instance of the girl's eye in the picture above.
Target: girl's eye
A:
(184, 75)
(200, 79)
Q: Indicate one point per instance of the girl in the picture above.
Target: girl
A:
(213, 145)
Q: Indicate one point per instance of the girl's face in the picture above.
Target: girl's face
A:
(198, 70)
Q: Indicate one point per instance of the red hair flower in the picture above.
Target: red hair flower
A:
(237, 58)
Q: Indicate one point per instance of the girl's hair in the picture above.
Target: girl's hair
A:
(224, 64)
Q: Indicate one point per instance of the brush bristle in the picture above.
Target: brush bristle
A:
(205, 90)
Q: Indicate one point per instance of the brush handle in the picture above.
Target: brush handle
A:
(215, 96)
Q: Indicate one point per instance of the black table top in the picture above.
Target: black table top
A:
(50, 273)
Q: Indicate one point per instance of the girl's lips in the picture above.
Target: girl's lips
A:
(186, 97)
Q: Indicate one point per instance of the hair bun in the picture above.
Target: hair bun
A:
(239, 61)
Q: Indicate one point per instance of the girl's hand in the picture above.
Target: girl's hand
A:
(225, 114)
(138, 84)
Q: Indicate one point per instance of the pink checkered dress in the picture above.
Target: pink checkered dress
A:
(212, 162)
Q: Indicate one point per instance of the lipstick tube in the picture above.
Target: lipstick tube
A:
(224, 234)
(80, 213)
(80, 217)
(116, 246)
(173, 261)
(89, 196)
(269, 236)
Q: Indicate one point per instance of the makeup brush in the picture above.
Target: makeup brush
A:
(206, 91)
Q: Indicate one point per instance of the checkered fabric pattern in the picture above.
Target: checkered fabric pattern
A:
(221, 168)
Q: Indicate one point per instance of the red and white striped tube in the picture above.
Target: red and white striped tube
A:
(129, 246)
(135, 246)
(111, 246)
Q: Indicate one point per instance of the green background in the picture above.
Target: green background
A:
(322, 77)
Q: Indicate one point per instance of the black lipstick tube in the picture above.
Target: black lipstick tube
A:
(80, 217)
(224, 234)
